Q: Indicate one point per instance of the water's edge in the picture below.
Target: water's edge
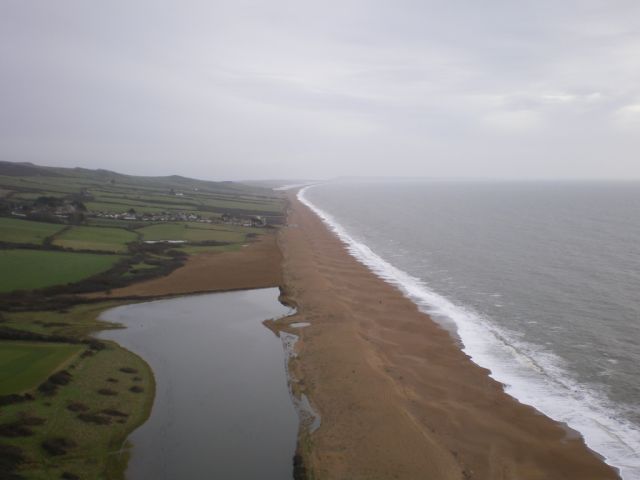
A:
(308, 419)
(599, 429)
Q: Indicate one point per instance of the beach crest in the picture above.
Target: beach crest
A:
(397, 396)
(489, 347)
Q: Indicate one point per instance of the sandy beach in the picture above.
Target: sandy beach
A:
(397, 396)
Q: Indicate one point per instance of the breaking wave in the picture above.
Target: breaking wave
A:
(528, 372)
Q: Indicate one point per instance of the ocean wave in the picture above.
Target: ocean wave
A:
(529, 373)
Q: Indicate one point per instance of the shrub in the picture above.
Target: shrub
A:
(51, 384)
(77, 407)
(57, 445)
(95, 418)
(112, 412)
(108, 392)
(11, 457)
(60, 378)
(15, 398)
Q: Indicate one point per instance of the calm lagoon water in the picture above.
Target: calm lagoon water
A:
(540, 282)
(222, 406)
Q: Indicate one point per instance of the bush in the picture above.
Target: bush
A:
(60, 378)
(15, 429)
(96, 345)
(112, 412)
(77, 407)
(50, 385)
(47, 388)
(11, 457)
(15, 398)
(95, 418)
(57, 445)
(108, 392)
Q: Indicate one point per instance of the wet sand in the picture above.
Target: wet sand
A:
(398, 398)
(258, 265)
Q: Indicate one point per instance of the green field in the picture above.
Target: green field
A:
(123, 207)
(93, 455)
(103, 402)
(261, 207)
(96, 238)
(96, 452)
(32, 269)
(114, 192)
(24, 365)
(191, 232)
(161, 201)
(14, 230)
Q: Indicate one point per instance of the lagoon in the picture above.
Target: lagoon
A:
(222, 407)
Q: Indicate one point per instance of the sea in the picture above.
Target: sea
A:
(539, 282)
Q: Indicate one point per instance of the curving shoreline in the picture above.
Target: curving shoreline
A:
(397, 396)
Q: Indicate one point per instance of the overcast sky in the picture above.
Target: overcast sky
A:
(295, 89)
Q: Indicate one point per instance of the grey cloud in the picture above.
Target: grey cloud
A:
(222, 89)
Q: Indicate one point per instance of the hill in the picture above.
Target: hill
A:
(106, 191)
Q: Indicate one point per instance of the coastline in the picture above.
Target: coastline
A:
(256, 266)
(397, 396)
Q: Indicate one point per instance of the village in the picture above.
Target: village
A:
(131, 215)
(75, 211)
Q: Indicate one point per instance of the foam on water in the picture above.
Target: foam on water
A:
(529, 373)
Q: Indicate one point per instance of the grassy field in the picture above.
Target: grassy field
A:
(112, 207)
(32, 269)
(191, 232)
(107, 391)
(79, 322)
(160, 201)
(69, 412)
(113, 192)
(96, 424)
(24, 365)
(96, 238)
(139, 267)
(14, 230)
(242, 204)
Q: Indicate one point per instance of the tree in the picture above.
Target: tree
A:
(79, 205)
